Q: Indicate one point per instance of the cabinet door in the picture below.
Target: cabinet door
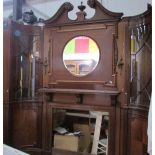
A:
(26, 79)
(140, 81)
(137, 142)
(26, 129)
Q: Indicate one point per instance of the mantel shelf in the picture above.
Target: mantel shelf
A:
(79, 91)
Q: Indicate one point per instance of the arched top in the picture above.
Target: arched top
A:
(62, 12)
(102, 15)
(100, 9)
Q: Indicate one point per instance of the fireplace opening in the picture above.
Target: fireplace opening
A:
(80, 131)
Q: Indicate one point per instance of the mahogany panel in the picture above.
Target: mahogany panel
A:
(123, 130)
(26, 124)
(34, 151)
(6, 124)
(137, 132)
(89, 99)
(58, 74)
(123, 65)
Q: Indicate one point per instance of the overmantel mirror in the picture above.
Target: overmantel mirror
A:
(81, 55)
(80, 77)
(81, 51)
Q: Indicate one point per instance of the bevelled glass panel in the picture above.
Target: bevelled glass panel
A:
(28, 67)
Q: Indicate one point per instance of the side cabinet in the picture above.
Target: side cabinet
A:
(25, 79)
(135, 80)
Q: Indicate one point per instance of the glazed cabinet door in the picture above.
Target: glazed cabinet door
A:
(26, 79)
(135, 80)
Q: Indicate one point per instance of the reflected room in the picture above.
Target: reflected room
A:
(81, 55)
(80, 131)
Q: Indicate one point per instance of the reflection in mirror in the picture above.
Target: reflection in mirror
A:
(81, 131)
(81, 55)
(28, 75)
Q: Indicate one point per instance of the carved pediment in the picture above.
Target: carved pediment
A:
(101, 15)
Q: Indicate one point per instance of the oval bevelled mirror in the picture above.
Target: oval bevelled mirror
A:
(81, 56)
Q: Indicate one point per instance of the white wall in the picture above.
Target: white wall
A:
(128, 7)
(48, 8)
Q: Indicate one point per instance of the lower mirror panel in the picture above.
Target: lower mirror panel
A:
(80, 131)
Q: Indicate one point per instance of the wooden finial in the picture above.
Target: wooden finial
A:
(81, 15)
(81, 7)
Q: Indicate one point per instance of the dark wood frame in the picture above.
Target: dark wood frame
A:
(90, 92)
(66, 91)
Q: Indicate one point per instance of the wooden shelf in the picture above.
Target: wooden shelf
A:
(79, 91)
